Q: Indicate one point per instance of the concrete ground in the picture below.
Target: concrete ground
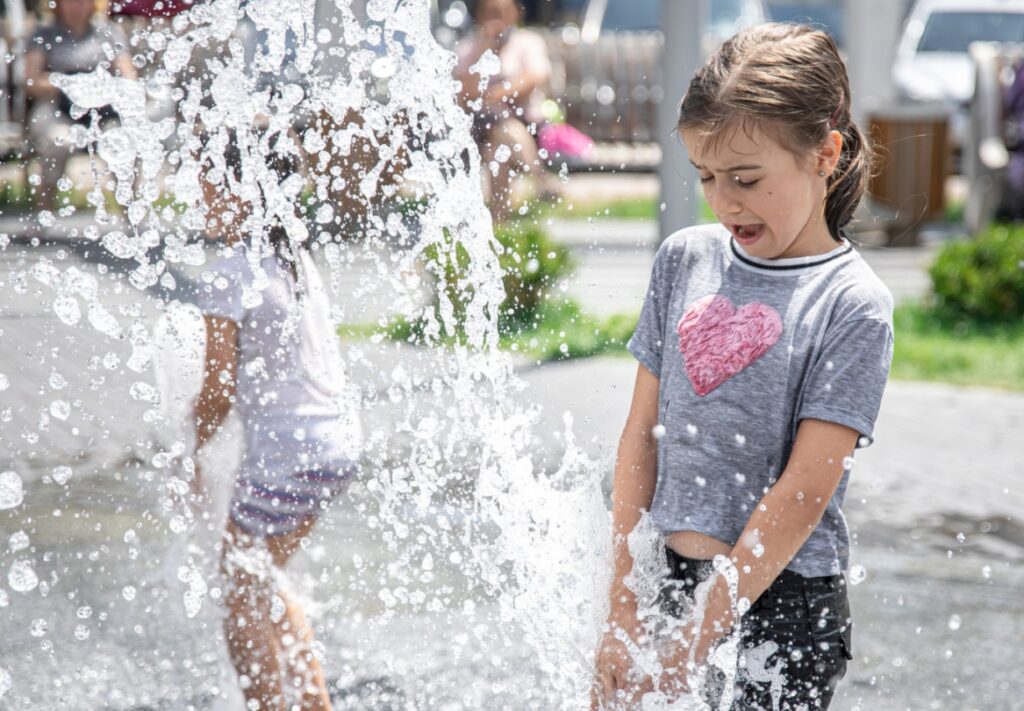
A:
(934, 505)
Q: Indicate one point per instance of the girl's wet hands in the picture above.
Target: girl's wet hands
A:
(618, 684)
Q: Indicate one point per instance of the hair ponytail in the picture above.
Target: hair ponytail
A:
(850, 181)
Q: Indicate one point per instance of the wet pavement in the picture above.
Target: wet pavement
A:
(934, 506)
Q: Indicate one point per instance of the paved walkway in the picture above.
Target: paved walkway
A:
(935, 505)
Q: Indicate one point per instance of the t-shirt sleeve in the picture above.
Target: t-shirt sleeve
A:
(222, 295)
(647, 341)
(847, 379)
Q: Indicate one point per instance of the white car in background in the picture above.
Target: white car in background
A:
(932, 61)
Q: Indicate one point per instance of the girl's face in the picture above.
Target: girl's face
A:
(771, 200)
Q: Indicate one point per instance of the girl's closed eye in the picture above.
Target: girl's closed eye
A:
(745, 183)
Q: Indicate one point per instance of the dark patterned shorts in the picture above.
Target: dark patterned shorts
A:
(794, 640)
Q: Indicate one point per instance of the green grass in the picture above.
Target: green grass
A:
(931, 348)
(562, 331)
(559, 331)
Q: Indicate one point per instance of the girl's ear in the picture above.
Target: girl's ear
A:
(830, 152)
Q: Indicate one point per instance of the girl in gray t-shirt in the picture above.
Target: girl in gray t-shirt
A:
(764, 346)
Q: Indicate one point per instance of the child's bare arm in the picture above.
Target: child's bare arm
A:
(632, 493)
(784, 518)
(218, 391)
(635, 475)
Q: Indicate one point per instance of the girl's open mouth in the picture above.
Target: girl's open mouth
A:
(747, 234)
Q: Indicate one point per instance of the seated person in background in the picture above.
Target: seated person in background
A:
(73, 43)
(509, 103)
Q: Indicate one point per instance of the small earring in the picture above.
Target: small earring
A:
(821, 173)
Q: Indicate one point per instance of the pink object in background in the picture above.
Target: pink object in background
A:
(562, 139)
(718, 340)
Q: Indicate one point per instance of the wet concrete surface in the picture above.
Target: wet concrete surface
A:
(934, 507)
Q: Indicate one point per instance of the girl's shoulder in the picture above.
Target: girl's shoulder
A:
(692, 244)
(859, 293)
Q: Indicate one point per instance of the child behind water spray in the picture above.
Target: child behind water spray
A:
(764, 346)
(272, 354)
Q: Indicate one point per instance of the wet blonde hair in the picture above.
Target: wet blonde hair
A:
(790, 81)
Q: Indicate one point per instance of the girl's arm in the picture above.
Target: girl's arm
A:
(633, 483)
(782, 521)
(218, 390)
(632, 493)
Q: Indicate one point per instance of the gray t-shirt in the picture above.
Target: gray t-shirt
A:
(744, 349)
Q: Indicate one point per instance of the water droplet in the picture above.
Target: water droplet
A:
(4, 382)
(960, 537)
(130, 536)
(11, 491)
(5, 600)
(61, 475)
(60, 409)
(22, 577)
(81, 632)
(5, 682)
(38, 627)
(740, 479)
(658, 431)
(954, 622)
(796, 655)
(46, 218)
(67, 310)
(848, 463)
(144, 392)
(18, 541)
(57, 381)
(128, 592)
(858, 574)
(691, 430)
(701, 481)
(986, 571)
(502, 153)
(757, 550)
(102, 321)
(84, 612)
(740, 439)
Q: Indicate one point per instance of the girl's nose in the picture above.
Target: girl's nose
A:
(723, 202)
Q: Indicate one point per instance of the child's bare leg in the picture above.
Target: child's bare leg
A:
(294, 635)
(252, 640)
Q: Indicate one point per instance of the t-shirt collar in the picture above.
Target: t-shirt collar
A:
(789, 265)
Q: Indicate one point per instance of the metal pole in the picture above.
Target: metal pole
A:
(682, 23)
(873, 34)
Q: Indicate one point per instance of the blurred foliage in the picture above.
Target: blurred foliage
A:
(536, 319)
(981, 279)
(928, 346)
(532, 265)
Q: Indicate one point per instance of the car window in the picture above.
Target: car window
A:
(727, 15)
(954, 31)
(632, 15)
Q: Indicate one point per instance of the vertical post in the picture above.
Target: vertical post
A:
(873, 34)
(682, 24)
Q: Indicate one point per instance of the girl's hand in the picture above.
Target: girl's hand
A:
(616, 683)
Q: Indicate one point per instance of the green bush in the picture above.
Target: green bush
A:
(982, 279)
(531, 264)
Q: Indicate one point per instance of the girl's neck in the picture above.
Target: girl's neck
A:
(814, 239)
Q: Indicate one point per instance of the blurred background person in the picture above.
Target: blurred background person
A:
(506, 109)
(75, 41)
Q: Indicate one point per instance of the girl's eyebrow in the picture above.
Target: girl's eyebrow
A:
(733, 169)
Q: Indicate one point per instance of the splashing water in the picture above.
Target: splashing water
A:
(456, 567)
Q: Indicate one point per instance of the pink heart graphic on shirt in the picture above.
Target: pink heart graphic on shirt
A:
(718, 340)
